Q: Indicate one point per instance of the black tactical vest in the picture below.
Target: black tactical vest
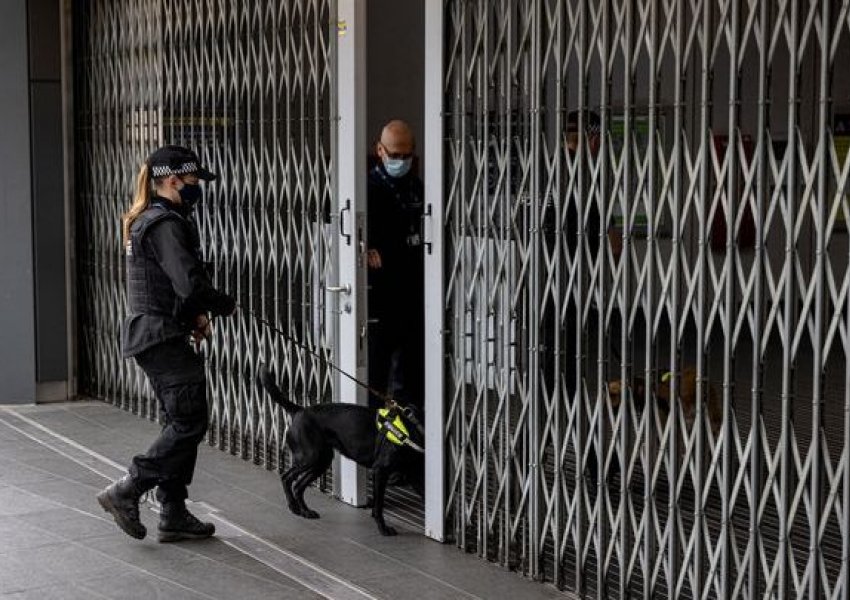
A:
(156, 313)
(149, 290)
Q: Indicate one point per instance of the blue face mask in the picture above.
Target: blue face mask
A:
(397, 167)
(190, 193)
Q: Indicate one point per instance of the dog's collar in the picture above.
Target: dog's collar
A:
(390, 424)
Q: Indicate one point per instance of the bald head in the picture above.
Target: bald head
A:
(396, 139)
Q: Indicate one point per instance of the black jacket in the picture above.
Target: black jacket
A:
(395, 231)
(167, 284)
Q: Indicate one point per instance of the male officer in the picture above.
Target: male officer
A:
(395, 261)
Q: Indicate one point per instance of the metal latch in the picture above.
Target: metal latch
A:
(336, 289)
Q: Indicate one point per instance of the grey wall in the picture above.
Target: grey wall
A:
(33, 322)
(48, 193)
(17, 326)
(395, 57)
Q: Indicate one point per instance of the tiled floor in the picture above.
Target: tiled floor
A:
(55, 542)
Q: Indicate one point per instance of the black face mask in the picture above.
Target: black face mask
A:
(190, 194)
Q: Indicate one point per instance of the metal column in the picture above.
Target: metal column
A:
(435, 514)
(351, 182)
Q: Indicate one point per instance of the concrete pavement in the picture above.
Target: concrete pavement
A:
(55, 542)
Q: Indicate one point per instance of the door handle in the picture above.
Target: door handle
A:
(336, 289)
(426, 220)
(342, 232)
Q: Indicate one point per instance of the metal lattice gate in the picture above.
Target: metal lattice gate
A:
(249, 85)
(723, 172)
(723, 159)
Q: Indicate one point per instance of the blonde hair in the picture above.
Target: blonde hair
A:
(141, 201)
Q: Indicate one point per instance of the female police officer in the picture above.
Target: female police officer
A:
(170, 296)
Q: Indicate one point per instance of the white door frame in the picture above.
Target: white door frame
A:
(350, 481)
(351, 195)
(435, 475)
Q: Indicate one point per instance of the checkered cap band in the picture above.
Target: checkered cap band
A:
(165, 170)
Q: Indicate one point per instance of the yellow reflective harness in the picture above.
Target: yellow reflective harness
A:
(390, 423)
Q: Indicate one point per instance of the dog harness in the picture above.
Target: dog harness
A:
(389, 423)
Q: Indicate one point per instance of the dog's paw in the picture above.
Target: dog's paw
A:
(309, 514)
(387, 530)
(295, 509)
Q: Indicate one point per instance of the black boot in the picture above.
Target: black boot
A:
(121, 500)
(177, 523)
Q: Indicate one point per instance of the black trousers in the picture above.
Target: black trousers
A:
(177, 376)
(397, 358)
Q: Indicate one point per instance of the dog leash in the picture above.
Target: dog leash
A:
(289, 338)
(389, 400)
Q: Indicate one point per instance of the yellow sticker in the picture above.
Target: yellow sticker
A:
(341, 28)
(666, 377)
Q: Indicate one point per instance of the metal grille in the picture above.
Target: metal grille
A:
(723, 173)
(250, 87)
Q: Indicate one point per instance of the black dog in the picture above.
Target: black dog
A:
(352, 430)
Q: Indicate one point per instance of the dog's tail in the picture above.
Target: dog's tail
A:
(267, 381)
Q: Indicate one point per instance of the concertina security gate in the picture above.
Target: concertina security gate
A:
(724, 153)
(249, 86)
